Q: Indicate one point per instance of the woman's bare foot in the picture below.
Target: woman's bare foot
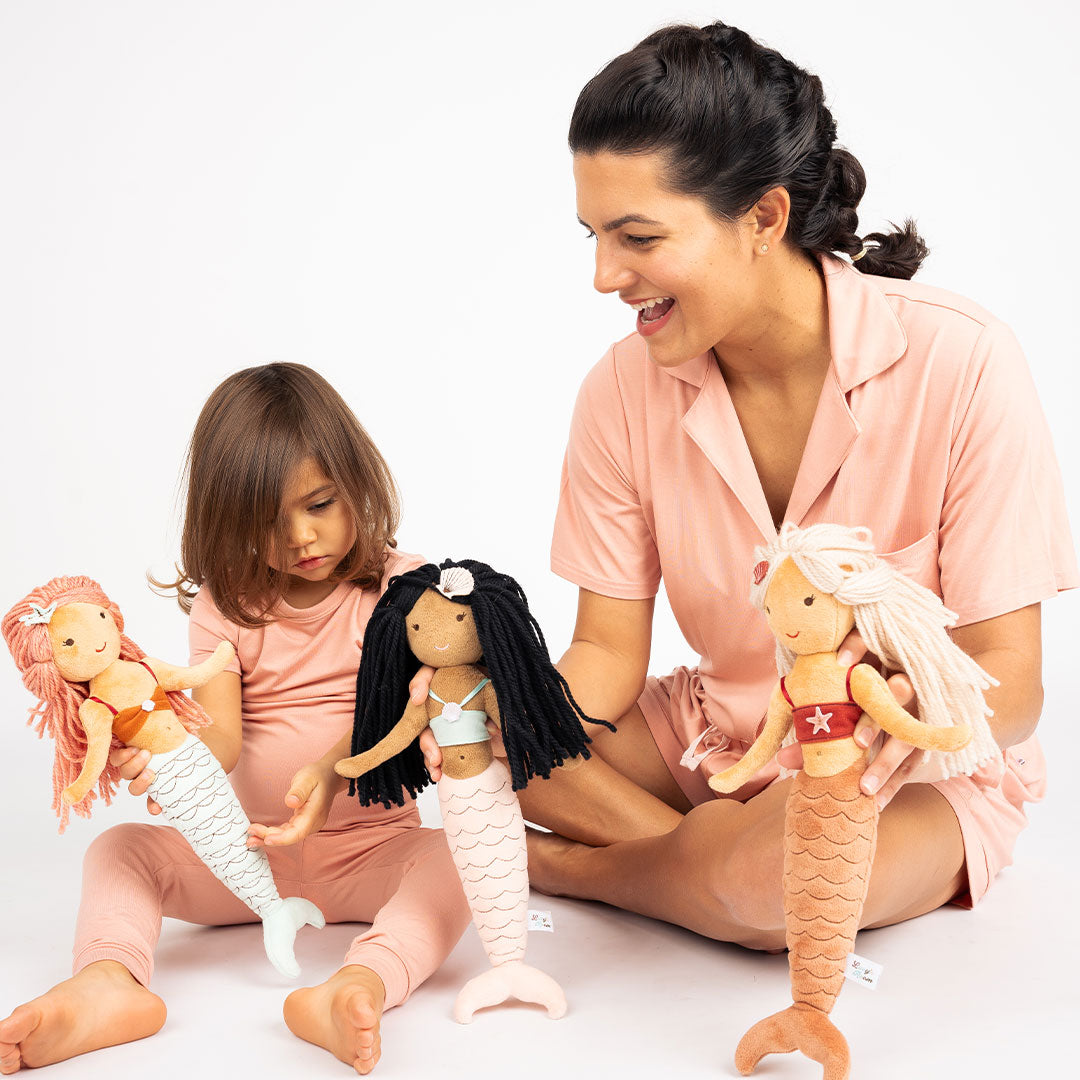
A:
(341, 1015)
(102, 1005)
(554, 862)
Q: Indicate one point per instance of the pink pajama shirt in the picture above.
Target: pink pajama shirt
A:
(927, 430)
(368, 864)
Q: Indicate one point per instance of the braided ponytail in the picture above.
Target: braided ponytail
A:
(734, 119)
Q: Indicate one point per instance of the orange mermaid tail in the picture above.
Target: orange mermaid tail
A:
(830, 830)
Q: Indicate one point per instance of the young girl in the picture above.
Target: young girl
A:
(287, 545)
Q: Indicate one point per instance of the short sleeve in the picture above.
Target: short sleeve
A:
(1004, 541)
(603, 540)
(207, 627)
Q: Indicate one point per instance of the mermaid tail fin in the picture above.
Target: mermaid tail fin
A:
(798, 1027)
(512, 979)
(281, 921)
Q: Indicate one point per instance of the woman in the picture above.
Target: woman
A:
(770, 381)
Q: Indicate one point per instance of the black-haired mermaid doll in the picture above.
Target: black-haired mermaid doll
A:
(455, 617)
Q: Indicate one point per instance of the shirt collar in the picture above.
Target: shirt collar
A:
(865, 333)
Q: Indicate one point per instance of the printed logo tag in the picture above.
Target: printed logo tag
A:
(862, 971)
(541, 920)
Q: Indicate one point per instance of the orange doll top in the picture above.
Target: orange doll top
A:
(127, 723)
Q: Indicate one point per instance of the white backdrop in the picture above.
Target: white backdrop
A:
(384, 192)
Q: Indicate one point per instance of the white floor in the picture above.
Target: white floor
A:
(990, 992)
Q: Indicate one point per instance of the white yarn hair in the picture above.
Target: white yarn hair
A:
(901, 622)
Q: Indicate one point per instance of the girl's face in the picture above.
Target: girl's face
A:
(653, 245)
(85, 641)
(319, 530)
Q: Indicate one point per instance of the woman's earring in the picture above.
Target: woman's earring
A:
(764, 248)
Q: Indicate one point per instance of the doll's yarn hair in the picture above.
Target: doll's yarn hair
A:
(57, 711)
(539, 718)
(901, 622)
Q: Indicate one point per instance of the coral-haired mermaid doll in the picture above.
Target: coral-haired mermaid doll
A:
(93, 683)
(454, 617)
(814, 585)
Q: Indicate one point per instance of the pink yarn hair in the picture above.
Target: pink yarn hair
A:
(57, 711)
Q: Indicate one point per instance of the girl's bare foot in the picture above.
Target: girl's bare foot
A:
(341, 1015)
(100, 1006)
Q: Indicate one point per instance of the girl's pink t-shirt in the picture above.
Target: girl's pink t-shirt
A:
(298, 678)
(928, 431)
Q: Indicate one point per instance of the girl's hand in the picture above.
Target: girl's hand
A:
(896, 760)
(310, 797)
(132, 762)
(418, 693)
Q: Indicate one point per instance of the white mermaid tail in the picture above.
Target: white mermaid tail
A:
(197, 799)
(484, 828)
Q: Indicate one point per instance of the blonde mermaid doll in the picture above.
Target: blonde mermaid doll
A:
(94, 685)
(814, 585)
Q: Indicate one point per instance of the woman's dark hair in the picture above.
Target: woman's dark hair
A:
(540, 720)
(253, 431)
(735, 119)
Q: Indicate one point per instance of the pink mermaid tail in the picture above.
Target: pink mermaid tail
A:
(486, 834)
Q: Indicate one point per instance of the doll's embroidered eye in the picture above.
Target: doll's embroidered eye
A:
(70, 641)
(461, 617)
(767, 611)
(103, 614)
(416, 626)
(808, 601)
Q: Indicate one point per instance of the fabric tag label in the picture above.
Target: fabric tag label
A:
(541, 920)
(862, 971)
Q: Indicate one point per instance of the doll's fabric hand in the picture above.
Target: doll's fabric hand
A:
(894, 763)
(310, 797)
(132, 762)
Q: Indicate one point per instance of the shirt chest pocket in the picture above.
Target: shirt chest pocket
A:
(918, 561)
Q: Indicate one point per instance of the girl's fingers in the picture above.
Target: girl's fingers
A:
(300, 791)
(901, 688)
(152, 806)
(132, 764)
(120, 755)
(420, 684)
(432, 753)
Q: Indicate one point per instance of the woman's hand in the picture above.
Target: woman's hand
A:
(896, 760)
(310, 797)
(132, 762)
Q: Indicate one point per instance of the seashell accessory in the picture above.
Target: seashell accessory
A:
(455, 581)
(39, 615)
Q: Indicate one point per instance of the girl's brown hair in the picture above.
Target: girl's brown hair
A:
(253, 431)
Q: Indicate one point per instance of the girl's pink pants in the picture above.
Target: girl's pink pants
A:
(398, 877)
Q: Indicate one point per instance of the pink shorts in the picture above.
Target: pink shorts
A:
(989, 804)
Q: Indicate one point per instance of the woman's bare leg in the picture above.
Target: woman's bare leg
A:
(624, 791)
(718, 872)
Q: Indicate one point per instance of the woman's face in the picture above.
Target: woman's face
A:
(654, 245)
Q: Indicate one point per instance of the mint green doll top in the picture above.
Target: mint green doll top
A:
(455, 726)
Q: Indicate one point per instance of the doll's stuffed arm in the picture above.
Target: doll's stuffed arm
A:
(97, 723)
(400, 736)
(872, 693)
(763, 749)
(172, 677)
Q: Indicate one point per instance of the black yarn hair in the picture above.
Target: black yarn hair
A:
(734, 119)
(540, 720)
